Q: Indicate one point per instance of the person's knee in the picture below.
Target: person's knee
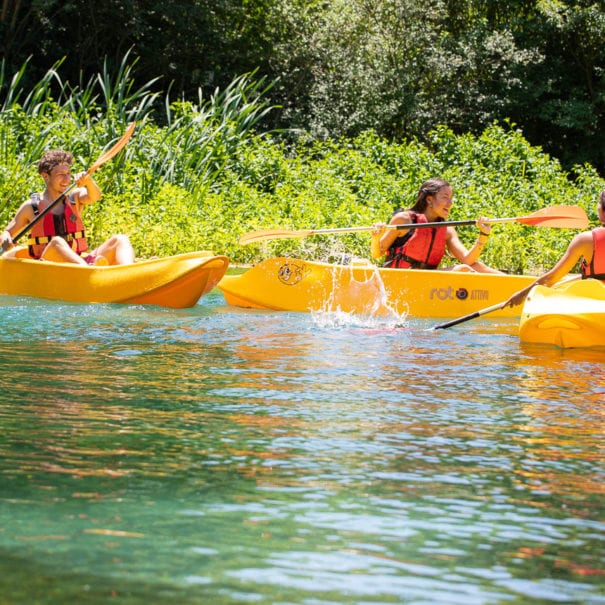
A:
(119, 240)
(59, 250)
(57, 242)
(123, 250)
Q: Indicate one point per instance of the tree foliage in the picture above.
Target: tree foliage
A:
(199, 175)
(398, 67)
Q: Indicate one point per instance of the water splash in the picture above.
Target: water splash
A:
(372, 287)
(362, 290)
(341, 319)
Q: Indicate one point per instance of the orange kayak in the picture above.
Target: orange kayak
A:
(290, 284)
(174, 281)
(567, 315)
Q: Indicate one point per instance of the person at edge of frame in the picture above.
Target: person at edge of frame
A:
(587, 247)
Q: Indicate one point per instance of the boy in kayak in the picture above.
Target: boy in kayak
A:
(425, 247)
(60, 235)
(588, 246)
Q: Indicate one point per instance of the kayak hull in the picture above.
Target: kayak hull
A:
(288, 284)
(175, 281)
(569, 315)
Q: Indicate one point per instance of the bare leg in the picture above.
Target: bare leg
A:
(117, 250)
(59, 251)
(483, 268)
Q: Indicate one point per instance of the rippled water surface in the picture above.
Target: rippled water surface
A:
(216, 455)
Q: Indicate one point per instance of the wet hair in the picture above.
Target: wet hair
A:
(53, 158)
(430, 187)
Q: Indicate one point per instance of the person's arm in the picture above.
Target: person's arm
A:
(88, 191)
(580, 246)
(383, 238)
(457, 249)
(21, 219)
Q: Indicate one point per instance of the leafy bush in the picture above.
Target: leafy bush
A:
(206, 176)
(363, 180)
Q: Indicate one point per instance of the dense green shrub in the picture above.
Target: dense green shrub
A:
(206, 177)
(397, 67)
(362, 181)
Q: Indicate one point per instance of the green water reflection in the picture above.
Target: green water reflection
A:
(220, 456)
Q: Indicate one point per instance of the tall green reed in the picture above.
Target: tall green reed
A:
(200, 139)
(176, 142)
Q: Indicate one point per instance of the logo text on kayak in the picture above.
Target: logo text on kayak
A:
(461, 294)
(290, 273)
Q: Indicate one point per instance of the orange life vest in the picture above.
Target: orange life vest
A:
(68, 225)
(418, 248)
(596, 267)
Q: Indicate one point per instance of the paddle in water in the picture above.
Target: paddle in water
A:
(496, 307)
(563, 217)
(459, 320)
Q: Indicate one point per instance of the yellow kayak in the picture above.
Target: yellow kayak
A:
(289, 284)
(568, 315)
(174, 281)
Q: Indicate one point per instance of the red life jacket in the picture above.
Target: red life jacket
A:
(418, 248)
(596, 268)
(68, 225)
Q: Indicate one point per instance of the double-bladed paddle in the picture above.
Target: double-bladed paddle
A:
(459, 320)
(486, 310)
(100, 161)
(566, 217)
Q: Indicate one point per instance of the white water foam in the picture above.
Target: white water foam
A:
(379, 314)
(342, 319)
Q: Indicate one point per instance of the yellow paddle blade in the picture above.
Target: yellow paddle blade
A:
(114, 150)
(259, 236)
(564, 217)
(269, 234)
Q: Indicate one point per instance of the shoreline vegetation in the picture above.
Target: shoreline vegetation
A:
(199, 175)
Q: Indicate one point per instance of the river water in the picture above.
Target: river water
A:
(217, 455)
